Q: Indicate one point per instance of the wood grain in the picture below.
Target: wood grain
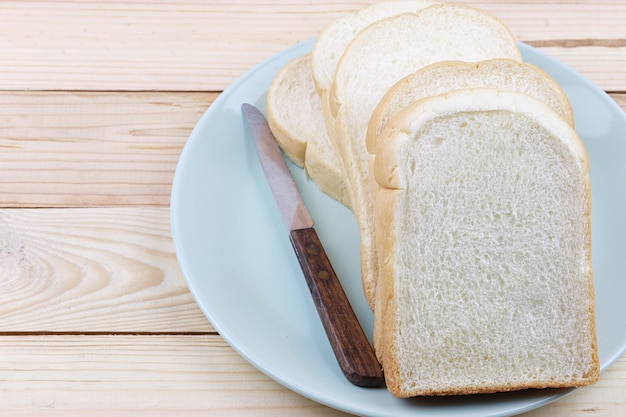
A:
(136, 376)
(620, 99)
(353, 351)
(68, 149)
(92, 270)
(162, 375)
(89, 149)
(200, 46)
(97, 100)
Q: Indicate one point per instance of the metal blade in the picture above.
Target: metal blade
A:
(292, 209)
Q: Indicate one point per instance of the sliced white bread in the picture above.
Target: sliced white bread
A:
(443, 77)
(287, 101)
(487, 277)
(294, 114)
(377, 58)
(333, 40)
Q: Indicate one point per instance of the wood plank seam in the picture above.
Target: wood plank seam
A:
(577, 43)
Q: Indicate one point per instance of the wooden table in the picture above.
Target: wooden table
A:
(97, 99)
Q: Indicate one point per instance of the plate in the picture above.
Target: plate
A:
(235, 254)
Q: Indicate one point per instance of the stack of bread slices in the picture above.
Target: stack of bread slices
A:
(470, 188)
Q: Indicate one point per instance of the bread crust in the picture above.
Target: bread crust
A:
(397, 131)
(442, 77)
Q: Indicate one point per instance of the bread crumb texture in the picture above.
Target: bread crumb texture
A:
(492, 267)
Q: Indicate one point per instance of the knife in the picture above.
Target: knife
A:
(353, 351)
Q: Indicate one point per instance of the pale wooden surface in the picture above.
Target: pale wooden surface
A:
(96, 102)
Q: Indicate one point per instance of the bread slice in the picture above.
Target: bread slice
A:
(487, 278)
(295, 117)
(377, 58)
(287, 101)
(443, 77)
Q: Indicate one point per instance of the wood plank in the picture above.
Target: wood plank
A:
(194, 46)
(93, 149)
(144, 45)
(72, 375)
(138, 375)
(556, 21)
(54, 153)
(92, 270)
(620, 99)
(603, 65)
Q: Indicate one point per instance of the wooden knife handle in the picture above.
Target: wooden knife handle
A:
(347, 339)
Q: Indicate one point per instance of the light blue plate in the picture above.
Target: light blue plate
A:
(236, 257)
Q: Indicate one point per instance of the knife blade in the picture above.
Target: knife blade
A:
(353, 351)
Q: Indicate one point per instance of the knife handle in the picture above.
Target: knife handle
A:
(347, 339)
